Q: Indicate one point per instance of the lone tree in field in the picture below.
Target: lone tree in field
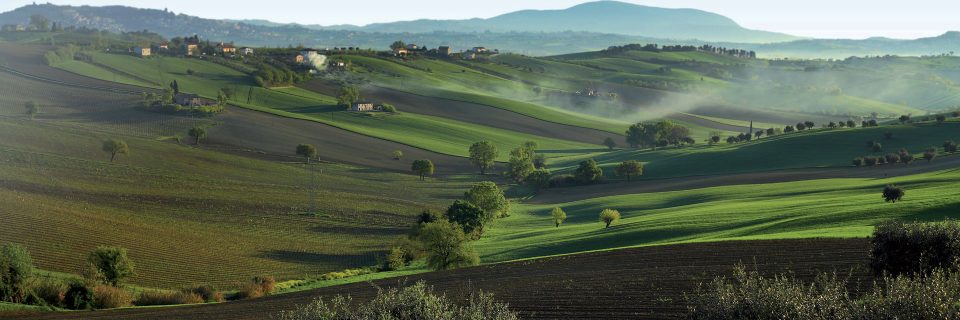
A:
(629, 169)
(16, 268)
(111, 264)
(469, 217)
(348, 96)
(609, 143)
(488, 197)
(31, 108)
(588, 172)
(483, 154)
(904, 119)
(558, 216)
(714, 139)
(198, 133)
(930, 154)
(447, 246)
(422, 168)
(397, 155)
(307, 151)
(608, 216)
(892, 193)
(115, 147)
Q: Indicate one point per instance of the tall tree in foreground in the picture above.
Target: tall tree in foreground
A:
(198, 133)
(31, 108)
(423, 168)
(483, 154)
(447, 246)
(608, 216)
(629, 169)
(558, 216)
(307, 151)
(115, 147)
(16, 267)
(111, 264)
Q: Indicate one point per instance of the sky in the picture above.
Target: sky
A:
(855, 19)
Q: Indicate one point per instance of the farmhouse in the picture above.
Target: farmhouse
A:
(298, 58)
(141, 51)
(191, 100)
(412, 47)
(191, 48)
(364, 107)
(479, 50)
(246, 51)
(400, 52)
(163, 46)
(469, 55)
(20, 27)
(226, 48)
(444, 50)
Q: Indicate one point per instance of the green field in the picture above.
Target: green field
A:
(818, 208)
(809, 149)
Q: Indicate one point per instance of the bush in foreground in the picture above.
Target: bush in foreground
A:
(749, 295)
(16, 267)
(901, 248)
(109, 297)
(414, 302)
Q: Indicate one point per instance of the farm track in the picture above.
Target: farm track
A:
(242, 131)
(469, 112)
(635, 283)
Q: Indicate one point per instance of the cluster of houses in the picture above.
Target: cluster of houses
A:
(14, 27)
(189, 47)
(442, 51)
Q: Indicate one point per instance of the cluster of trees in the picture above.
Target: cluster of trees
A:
(653, 47)
(268, 75)
(659, 134)
(348, 95)
(843, 124)
(444, 238)
(903, 156)
(917, 277)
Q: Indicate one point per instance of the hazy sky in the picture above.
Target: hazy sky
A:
(812, 18)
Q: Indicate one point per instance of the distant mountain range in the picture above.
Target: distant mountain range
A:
(586, 27)
(610, 17)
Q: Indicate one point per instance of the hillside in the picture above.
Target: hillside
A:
(611, 17)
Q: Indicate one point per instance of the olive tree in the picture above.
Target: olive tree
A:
(115, 147)
(198, 133)
(111, 264)
(629, 169)
(609, 143)
(447, 246)
(422, 168)
(31, 108)
(469, 217)
(892, 193)
(483, 154)
(558, 216)
(488, 197)
(608, 216)
(307, 151)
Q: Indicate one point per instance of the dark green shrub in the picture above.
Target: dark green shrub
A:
(892, 193)
(78, 297)
(562, 180)
(914, 248)
(50, 292)
(413, 302)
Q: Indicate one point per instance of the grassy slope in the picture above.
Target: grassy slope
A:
(833, 148)
(431, 133)
(819, 208)
(195, 216)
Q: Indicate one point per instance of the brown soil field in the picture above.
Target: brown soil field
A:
(636, 283)
(64, 95)
(567, 194)
(468, 112)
